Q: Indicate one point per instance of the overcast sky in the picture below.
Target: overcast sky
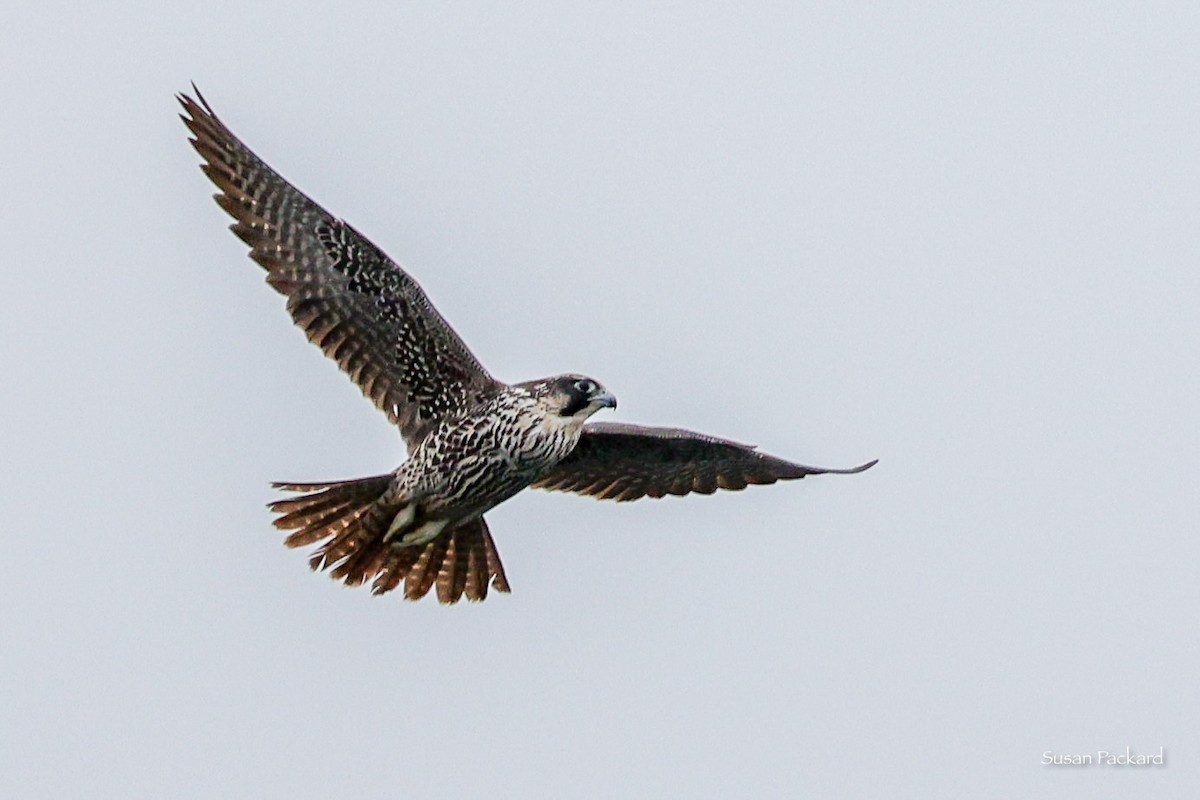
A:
(962, 240)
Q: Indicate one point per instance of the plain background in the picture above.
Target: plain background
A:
(961, 238)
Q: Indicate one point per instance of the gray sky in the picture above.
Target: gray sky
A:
(961, 240)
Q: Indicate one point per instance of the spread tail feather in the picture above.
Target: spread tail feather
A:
(353, 520)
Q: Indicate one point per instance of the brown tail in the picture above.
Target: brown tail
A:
(348, 515)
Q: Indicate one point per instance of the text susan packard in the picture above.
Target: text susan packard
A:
(1124, 759)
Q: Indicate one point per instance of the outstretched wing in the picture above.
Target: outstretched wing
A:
(358, 305)
(614, 461)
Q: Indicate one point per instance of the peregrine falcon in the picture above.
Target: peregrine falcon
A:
(473, 441)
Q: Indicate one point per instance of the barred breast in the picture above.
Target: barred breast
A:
(468, 465)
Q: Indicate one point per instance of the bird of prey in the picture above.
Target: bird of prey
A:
(473, 441)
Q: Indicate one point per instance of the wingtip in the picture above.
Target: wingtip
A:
(849, 471)
(196, 103)
(200, 97)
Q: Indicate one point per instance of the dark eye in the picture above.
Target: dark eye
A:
(585, 386)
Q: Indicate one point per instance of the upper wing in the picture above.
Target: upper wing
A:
(358, 305)
(614, 461)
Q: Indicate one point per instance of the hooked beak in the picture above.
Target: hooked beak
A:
(605, 400)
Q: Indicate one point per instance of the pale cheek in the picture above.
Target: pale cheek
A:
(554, 423)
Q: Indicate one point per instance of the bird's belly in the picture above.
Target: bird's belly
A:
(483, 482)
(461, 472)
(491, 481)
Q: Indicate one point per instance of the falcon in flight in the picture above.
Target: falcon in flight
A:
(473, 441)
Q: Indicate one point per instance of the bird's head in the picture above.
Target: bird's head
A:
(571, 396)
